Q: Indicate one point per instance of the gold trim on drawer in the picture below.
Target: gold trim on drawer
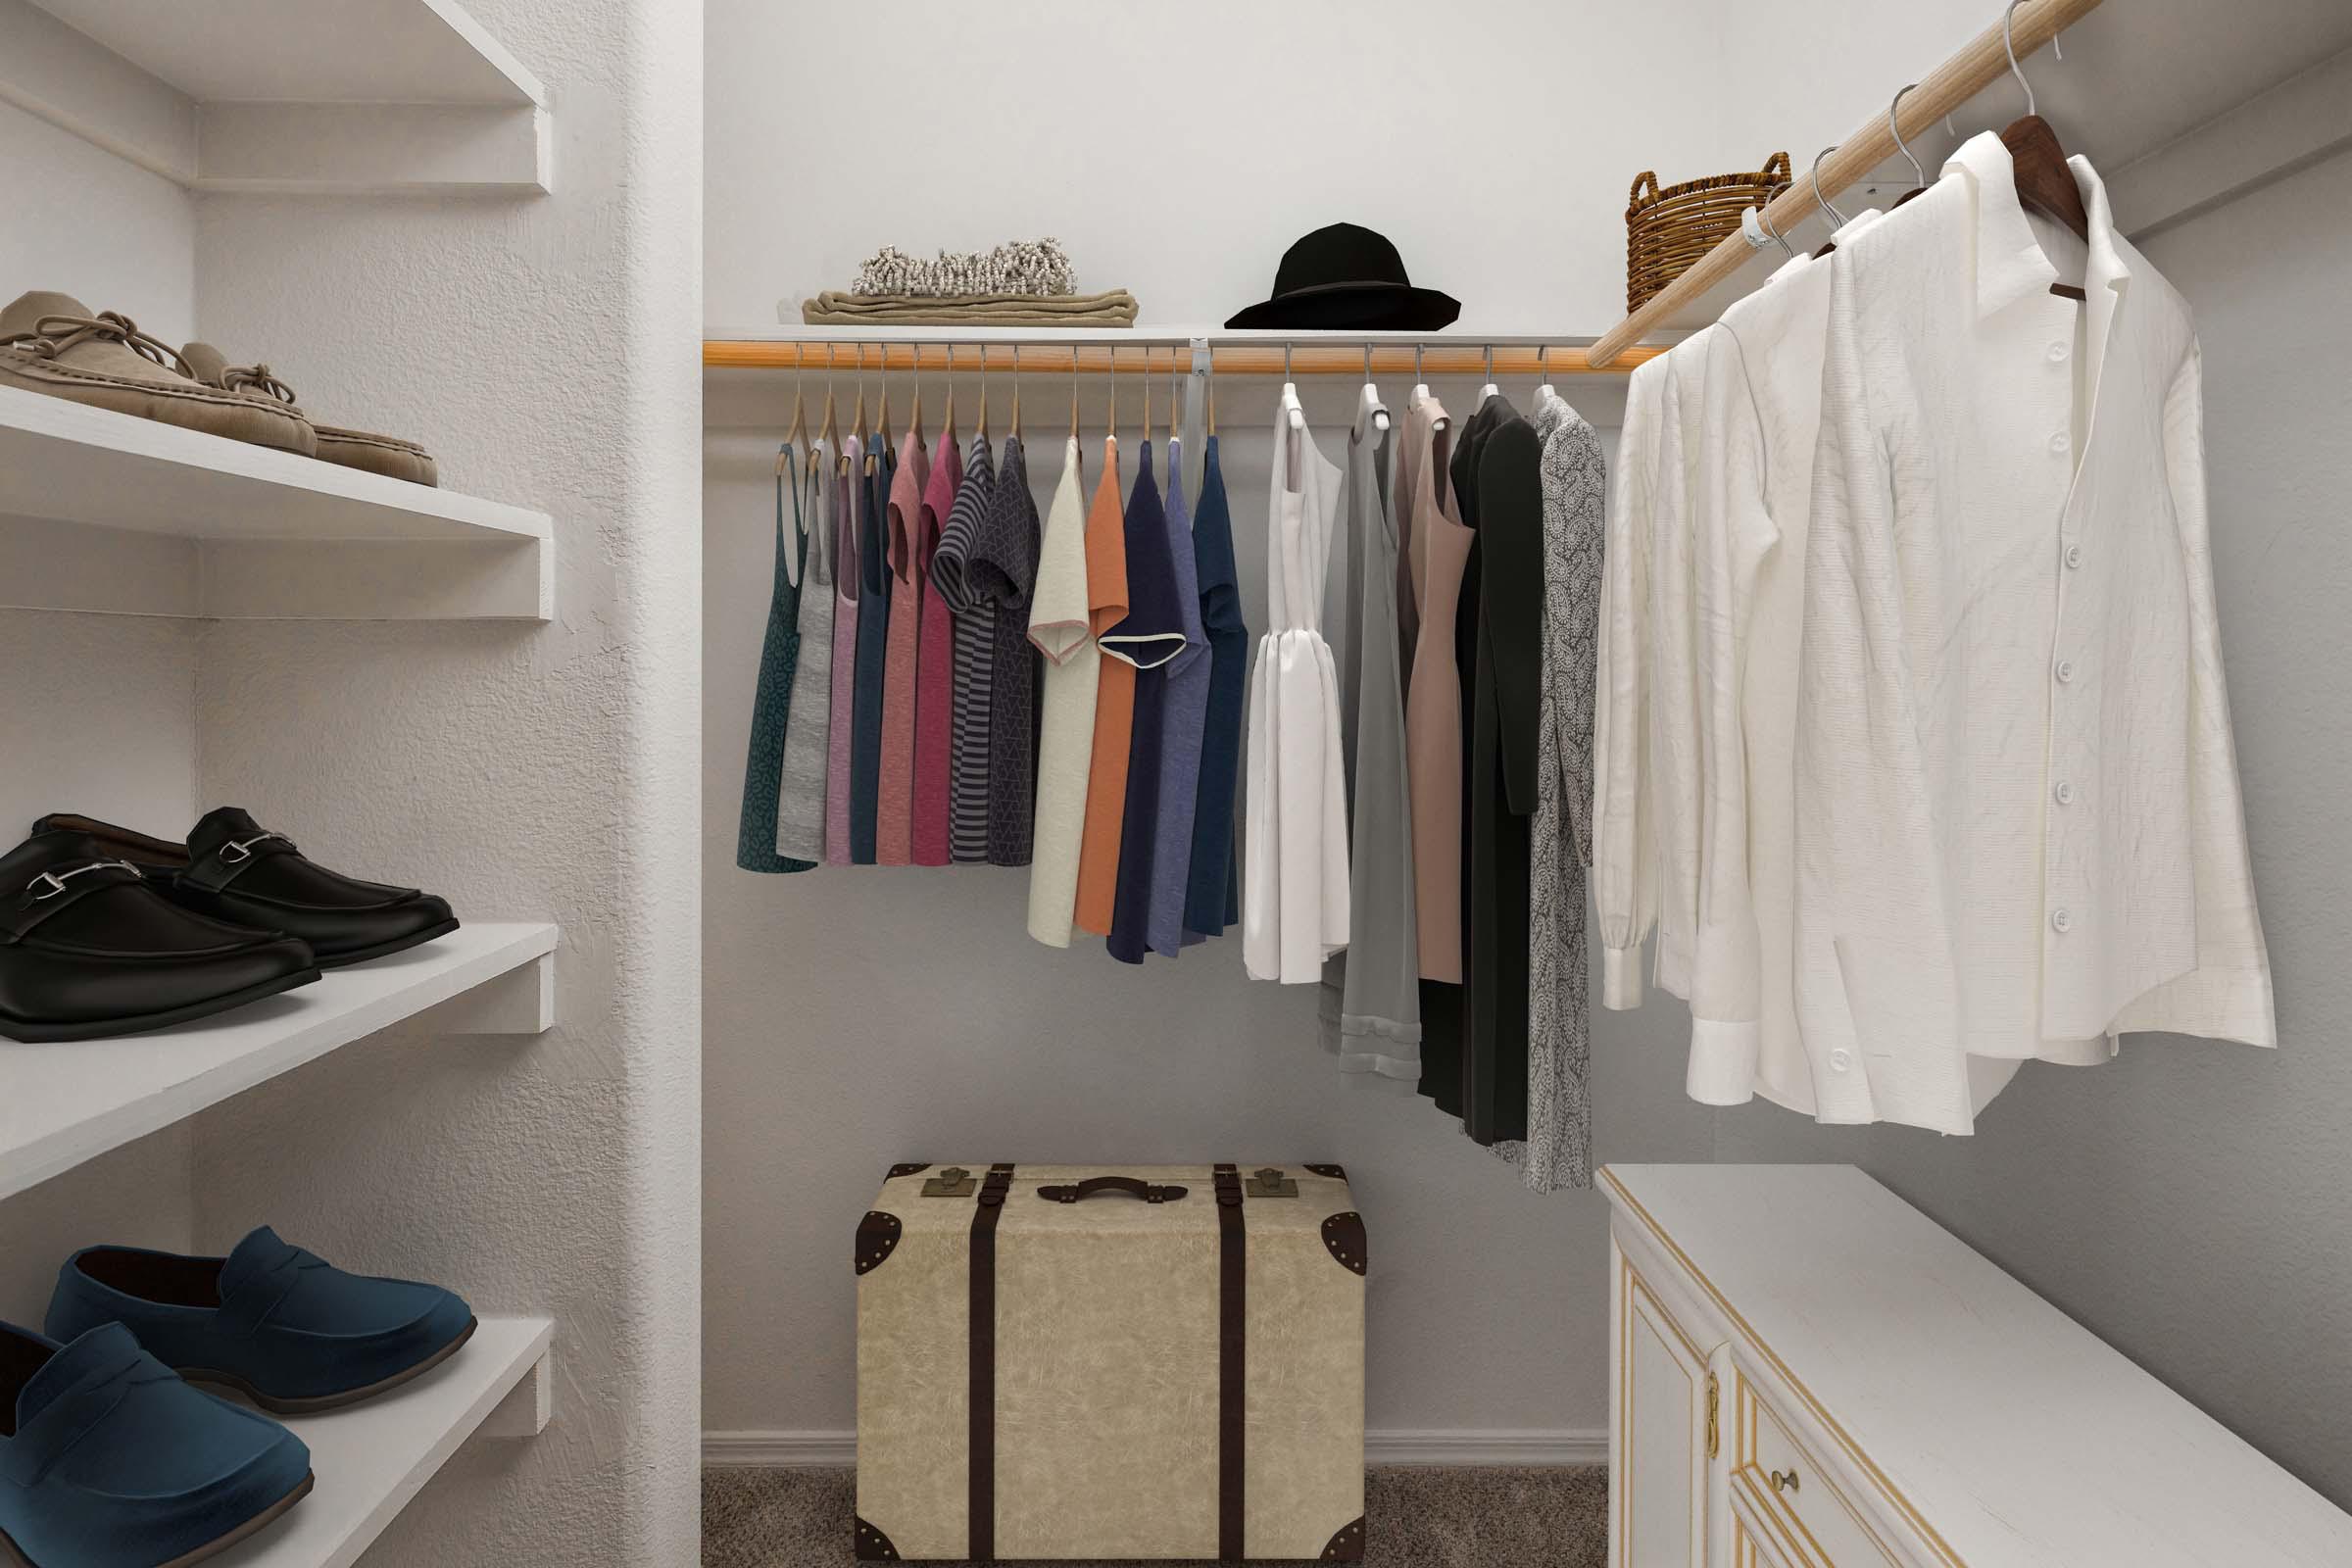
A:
(1780, 1500)
(1888, 1488)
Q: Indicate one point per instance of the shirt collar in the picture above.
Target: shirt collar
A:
(2010, 263)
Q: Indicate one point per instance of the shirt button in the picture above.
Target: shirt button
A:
(2065, 793)
(2061, 921)
(2065, 670)
(2058, 353)
(1839, 1061)
(2074, 556)
(2058, 443)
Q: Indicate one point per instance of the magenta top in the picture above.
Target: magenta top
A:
(935, 668)
(894, 804)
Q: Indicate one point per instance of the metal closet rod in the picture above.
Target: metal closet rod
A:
(1984, 60)
(1323, 354)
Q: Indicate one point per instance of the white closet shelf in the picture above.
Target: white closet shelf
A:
(111, 512)
(63, 1104)
(358, 97)
(372, 1459)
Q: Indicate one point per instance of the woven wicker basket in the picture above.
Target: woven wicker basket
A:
(1667, 229)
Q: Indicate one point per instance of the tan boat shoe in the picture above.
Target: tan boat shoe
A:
(386, 455)
(51, 343)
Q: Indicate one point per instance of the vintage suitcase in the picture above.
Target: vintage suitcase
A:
(1062, 1361)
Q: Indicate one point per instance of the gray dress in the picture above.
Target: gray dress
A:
(1558, 1154)
(1372, 993)
(808, 729)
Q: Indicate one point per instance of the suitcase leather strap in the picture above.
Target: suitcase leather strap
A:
(982, 1436)
(1233, 1338)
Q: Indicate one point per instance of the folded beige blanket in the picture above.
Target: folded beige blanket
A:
(835, 308)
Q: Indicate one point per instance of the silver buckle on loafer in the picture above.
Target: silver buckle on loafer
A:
(236, 853)
(56, 881)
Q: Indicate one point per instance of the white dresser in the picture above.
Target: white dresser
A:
(1806, 1372)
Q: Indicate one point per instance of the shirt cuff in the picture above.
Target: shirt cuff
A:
(1723, 1060)
(1621, 978)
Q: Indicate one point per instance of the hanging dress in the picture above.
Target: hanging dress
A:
(847, 496)
(1004, 568)
(1149, 636)
(801, 797)
(935, 668)
(895, 789)
(1060, 629)
(1373, 1001)
(1212, 886)
(1504, 739)
(1434, 744)
(1184, 716)
(1295, 844)
(1114, 703)
(873, 654)
(771, 700)
(975, 630)
(1559, 1098)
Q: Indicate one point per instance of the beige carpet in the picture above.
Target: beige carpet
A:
(1415, 1518)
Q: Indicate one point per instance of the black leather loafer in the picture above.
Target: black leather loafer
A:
(232, 869)
(89, 948)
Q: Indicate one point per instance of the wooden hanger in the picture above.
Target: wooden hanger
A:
(831, 435)
(947, 430)
(916, 413)
(797, 435)
(882, 419)
(859, 429)
(1017, 392)
(984, 392)
(2045, 184)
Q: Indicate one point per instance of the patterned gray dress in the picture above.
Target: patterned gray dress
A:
(1559, 1152)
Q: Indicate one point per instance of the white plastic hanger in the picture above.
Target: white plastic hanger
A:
(1420, 383)
(1379, 409)
(1290, 394)
(1489, 390)
(1546, 394)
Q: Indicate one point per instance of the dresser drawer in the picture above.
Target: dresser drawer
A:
(1784, 1482)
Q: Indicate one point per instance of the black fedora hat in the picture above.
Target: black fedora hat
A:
(1348, 277)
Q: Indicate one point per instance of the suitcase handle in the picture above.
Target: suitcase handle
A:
(1129, 1185)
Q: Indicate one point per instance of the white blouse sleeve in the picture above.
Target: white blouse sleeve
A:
(2228, 996)
(1624, 846)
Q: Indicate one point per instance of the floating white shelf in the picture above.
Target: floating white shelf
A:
(372, 1458)
(63, 1104)
(108, 512)
(355, 97)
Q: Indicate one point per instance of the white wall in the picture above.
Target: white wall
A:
(1176, 153)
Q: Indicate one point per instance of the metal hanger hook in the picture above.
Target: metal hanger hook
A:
(1834, 212)
(1919, 173)
(1417, 375)
(1489, 362)
(1286, 362)
(1764, 221)
(2009, 44)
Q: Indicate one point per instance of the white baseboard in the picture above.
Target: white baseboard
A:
(772, 1451)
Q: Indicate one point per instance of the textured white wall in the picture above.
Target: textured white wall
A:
(84, 222)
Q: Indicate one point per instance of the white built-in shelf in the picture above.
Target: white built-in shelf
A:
(348, 97)
(112, 513)
(372, 1459)
(67, 1103)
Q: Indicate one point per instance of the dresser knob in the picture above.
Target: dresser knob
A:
(1784, 1481)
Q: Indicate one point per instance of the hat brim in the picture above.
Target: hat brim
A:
(1358, 307)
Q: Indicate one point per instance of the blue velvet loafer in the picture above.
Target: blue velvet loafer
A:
(109, 1461)
(276, 1323)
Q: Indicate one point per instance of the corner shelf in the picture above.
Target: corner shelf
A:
(361, 97)
(115, 514)
(372, 1459)
(61, 1105)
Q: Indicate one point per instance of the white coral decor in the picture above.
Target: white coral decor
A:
(1021, 266)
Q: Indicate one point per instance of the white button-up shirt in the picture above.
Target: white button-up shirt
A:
(2019, 829)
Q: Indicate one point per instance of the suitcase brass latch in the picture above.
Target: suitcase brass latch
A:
(1272, 1183)
(953, 1181)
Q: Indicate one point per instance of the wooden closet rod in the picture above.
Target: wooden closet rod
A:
(1326, 354)
(1943, 90)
